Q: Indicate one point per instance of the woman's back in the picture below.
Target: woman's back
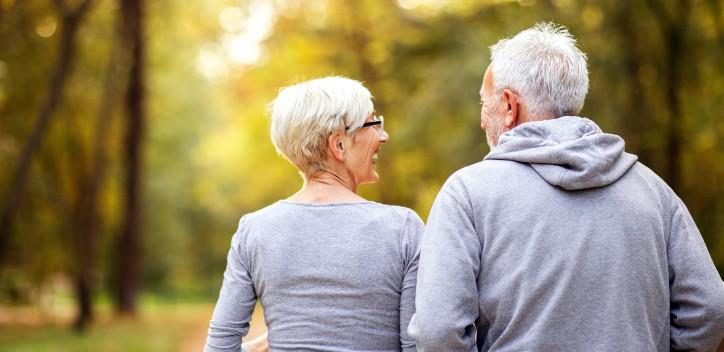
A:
(331, 277)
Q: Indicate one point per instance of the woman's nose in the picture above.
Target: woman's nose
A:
(384, 136)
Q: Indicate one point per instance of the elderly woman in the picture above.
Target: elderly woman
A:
(333, 271)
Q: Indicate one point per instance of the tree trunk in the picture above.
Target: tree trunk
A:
(675, 39)
(673, 29)
(129, 246)
(676, 126)
(69, 24)
(637, 117)
(88, 218)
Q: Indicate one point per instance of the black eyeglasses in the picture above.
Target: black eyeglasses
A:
(379, 120)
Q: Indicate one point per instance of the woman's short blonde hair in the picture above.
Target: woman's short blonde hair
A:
(304, 115)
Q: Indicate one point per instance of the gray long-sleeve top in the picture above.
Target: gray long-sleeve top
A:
(560, 241)
(331, 277)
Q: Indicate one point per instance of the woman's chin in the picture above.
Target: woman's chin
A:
(370, 179)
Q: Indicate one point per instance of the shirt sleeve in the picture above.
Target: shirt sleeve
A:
(447, 293)
(412, 233)
(230, 321)
(697, 291)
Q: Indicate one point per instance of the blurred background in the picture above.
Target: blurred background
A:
(134, 134)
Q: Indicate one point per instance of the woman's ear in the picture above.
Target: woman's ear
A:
(335, 145)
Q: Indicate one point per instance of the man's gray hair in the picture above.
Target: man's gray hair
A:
(304, 115)
(545, 67)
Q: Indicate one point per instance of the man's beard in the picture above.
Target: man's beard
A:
(493, 131)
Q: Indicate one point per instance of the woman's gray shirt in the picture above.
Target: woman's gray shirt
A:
(331, 277)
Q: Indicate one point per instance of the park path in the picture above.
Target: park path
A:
(197, 337)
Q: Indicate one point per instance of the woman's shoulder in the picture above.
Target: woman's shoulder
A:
(250, 217)
(368, 209)
(397, 211)
(405, 222)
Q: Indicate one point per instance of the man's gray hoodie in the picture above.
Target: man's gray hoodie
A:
(559, 240)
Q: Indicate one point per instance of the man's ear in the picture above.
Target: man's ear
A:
(511, 109)
(336, 146)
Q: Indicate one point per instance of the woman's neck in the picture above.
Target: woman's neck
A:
(327, 187)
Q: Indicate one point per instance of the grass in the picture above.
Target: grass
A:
(159, 327)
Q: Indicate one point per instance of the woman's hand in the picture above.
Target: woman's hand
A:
(259, 344)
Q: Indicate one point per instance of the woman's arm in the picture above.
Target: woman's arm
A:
(412, 232)
(237, 299)
(259, 344)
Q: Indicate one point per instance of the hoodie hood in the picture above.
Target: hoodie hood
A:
(570, 152)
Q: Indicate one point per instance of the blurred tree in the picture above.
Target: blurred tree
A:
(70, 21)
(88, 217)
(129, 247)
(674, 29)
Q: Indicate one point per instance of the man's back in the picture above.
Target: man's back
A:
(564, 270)
(569, 245)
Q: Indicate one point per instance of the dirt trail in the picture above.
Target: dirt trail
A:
(196, 341)
(197, 337)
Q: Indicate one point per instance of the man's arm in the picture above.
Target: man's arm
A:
(412, 233)
(697, 291)
(237, 299)
(447, 291)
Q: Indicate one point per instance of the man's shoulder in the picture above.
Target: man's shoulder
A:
(486, 178)
(646, 173)
(640, 179)
(488, 170)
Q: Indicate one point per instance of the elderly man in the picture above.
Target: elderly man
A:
(559, 240)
